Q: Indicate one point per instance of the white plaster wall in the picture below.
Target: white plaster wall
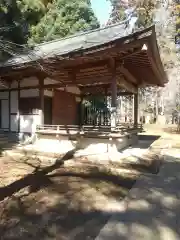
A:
(49, 81)
(29, 93)
(14, 123)
(28, 123)
(31, 81)
(4, 114)
(4, 95)
(73, 89)
(14, 102)
(34, 93)
(48, 93)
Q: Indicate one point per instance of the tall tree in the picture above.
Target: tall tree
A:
(32, 10)
(144, 10)
(118, 11)
(162, 14)
(64, 17)
(16, 19)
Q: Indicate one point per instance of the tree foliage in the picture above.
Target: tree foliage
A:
(11, 28)
(36, 21)
(160, 13)
(64, 17)
(16, 19)
(144, 10)
(32, 10)
(11, 22)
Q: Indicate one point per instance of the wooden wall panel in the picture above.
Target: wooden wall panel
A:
(64, 108)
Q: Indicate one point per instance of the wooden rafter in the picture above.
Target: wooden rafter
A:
(154, 67)
(128, 75)
(102, 90)
(126, 85)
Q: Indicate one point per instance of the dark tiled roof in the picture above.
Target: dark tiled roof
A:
(81, 41)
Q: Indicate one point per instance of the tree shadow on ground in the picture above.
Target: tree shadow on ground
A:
(153, 209)
(39, 177)
(50, 203)
(34, 177)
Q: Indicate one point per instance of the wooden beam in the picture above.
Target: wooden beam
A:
(61, 85)
(19, 107)
(48, 86)
(101, 91)
(9, 97)
(93, 64)
(128, 75)
(128, 82)
(126, 85)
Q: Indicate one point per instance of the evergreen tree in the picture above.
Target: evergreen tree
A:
(16, 19)
(64, 17)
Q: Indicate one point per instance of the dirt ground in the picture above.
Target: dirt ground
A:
(60, 201)
(56, 202)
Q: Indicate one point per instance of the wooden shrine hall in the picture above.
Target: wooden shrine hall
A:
(44, 91)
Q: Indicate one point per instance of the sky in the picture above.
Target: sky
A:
(102, 9)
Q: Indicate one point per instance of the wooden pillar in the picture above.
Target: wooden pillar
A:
(41, 96)
(19, 106)
(113, 96)
(106, 102)
(81, 112)
(9, 97)
(136, 110)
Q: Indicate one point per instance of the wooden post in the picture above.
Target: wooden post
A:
(81, 113)
(9, 97)
(136, 110)
(19, 107)
(41, 96)
(106, 102)
(113, 95)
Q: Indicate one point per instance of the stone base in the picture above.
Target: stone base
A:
(84, 145)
